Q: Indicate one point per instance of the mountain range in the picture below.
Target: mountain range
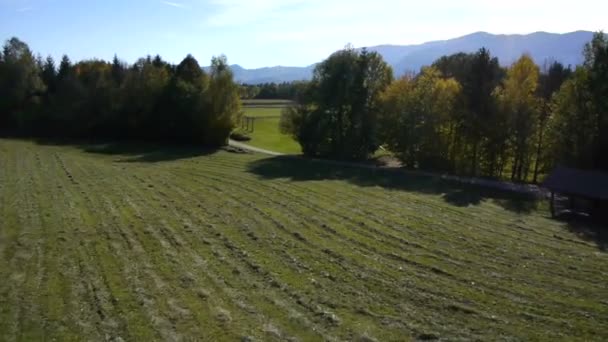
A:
(542, 46)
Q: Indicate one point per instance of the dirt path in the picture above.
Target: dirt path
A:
(252, 148)
(530, 189)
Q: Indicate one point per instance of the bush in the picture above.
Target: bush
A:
(240, 136)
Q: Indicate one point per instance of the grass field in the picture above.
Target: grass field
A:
(266, 133)
(268, 103)
(133, 242)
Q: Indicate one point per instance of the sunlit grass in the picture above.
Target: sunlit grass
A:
(144, 242)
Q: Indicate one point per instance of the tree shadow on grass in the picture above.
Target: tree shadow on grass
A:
(137, 152)
(454, 193)
(587, 228)
(148, 153)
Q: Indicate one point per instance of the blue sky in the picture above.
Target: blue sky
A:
(272, 32)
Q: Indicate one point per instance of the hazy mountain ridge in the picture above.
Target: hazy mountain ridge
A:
(542, 46)
(271, 74)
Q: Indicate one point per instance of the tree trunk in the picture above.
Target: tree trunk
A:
(514, 167)
(538, 150)
(520, 166)
(474, 160)
(493, 165)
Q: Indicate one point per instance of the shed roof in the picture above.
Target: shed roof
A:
(584, 183)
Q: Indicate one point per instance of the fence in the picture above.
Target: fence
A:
(248, 122)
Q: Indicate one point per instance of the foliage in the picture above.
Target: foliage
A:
(20, 85)
(224, 103)
(284, 90)
(336, 115)
(573, 125)
(579, 129)
(150, 99)
(515, 123)
(519, 107)
(464, 115)
(550, 81)
(417, 117)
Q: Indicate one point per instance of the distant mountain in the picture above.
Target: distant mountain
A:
(271, 74)
(565, 48)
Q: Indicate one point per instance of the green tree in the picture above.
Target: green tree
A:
(573, 125)
(550, 81)
(151, 99)
(457, 66)
(483, 78)
(20, 85)
(476, 118)
(578, 126)
(95, 114)
(596, 62)
(49, 74)
(337, 117)
(65, 68)
(119, 71)
(143, 89)
(224, 111)
(185, 99)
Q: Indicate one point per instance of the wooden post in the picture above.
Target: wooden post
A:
(552, 204)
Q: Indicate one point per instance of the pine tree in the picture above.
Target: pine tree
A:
(65, 69)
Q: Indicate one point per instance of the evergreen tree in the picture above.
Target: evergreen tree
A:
(118, 71)
(65, 68)
(596, 62)
(482, 80)
(49, 74)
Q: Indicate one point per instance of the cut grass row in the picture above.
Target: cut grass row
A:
(149, 243)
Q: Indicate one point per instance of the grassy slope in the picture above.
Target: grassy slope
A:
(147, 244)
(266, 134)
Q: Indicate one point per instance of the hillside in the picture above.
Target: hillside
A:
(141, 243)
(565, 48)
(542, 46)
(271, 74)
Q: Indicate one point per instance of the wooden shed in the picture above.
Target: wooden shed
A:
(578, 190)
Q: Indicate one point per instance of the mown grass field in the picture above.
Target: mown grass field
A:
(267, 103)
(266, 132)
(101, 242)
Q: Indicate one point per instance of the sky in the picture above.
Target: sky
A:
(259, 33)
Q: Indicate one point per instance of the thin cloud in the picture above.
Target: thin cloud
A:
(244, 12)
(173, 4)
(25, 9)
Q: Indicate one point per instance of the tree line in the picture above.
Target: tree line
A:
(464, 114)
(272, 90)
(151, 99)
